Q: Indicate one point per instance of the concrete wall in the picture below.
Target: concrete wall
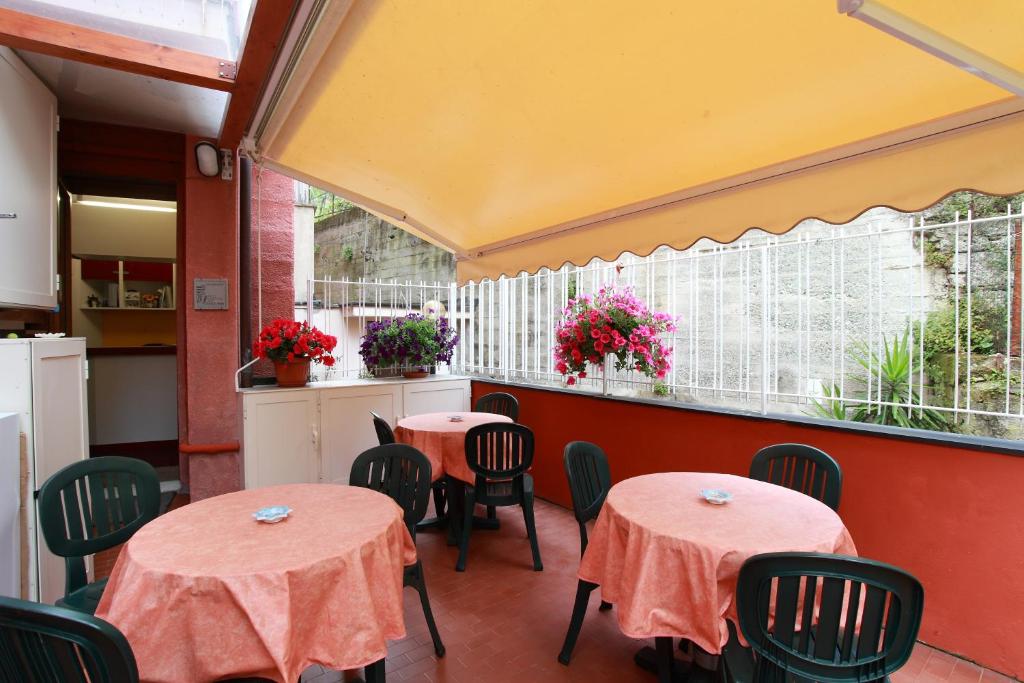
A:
(354, 244)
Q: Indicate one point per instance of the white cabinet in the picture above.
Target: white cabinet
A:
(45, 384)
(280, 436)
(435, 397)
(346, 429)
(28, 187)
(313, 434)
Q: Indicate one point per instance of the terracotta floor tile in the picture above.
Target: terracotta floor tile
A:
(502, 622)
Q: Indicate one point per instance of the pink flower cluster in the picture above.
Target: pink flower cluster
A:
(614, 321)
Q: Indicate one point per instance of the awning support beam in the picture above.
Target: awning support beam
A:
(874, 13)
(23, 31)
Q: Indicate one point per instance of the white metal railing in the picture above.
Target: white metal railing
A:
(767, 323)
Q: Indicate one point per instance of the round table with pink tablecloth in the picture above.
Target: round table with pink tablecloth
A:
(206, 592)
(669, 560)
(443, 440)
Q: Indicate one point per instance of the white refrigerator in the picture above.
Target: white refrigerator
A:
(44, 384)
(10, 501)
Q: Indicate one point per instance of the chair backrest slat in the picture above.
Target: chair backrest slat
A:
(400, 472)
(95, 504)
(499, 450)
(385, 434)
(801, 468)
(45, 643)
(500, 403)
(586, 468)
(858, 619)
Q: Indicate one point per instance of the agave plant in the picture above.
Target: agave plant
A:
(890, 370)
(831, 406)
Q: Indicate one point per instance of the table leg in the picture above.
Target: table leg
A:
(375, 672)
(456, 505)
(441, 496)
(698, 666)
(660, 660)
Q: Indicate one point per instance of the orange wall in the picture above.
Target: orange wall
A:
(954, 517)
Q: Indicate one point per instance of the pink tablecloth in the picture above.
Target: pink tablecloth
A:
(444, 441)
(206, 592)
(669, 560)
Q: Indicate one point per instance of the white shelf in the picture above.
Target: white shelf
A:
(124, 308)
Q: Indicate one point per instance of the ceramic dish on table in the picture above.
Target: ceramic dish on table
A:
(716, 496)
(272, 515)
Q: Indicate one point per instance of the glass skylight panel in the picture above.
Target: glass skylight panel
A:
(211, 27)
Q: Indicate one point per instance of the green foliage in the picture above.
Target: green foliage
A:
(660, 389)
(891, 370)
(347, 254)
(571, 286)
(941, 330)
(327, 204)
(980, 206)
(831, 407)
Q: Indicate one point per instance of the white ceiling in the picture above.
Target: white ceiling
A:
(94, 93)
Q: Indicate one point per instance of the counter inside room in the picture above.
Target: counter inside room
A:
(124, 287)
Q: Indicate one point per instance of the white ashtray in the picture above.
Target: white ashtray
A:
(272, 515)
(455, 418)
(49, 335)
(716, 496)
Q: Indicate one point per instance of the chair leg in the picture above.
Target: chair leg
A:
(469, 502)
(579, 610)
(492, 512)
(605, 606)
(375, 672)
(454, 495)
(664, 654)
(419, 582)
(531, 531)
(440, 499)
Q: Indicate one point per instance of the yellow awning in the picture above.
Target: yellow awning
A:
(529, 133)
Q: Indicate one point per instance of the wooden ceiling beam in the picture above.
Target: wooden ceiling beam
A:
(267, 30)
(23, 31)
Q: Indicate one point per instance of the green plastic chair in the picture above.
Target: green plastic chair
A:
(402, 473)
(42, 644)
(870, 641)
(499, 455)
(590, 480)
(500, 403)
(93, 505)
(801, 468)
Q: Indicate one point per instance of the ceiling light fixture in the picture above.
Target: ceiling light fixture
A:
(135, 207)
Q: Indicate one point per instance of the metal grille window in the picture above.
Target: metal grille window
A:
(903, 319)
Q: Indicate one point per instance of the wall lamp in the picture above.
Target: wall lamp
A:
(212, 162)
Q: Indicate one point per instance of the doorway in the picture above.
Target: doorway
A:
(122, 294)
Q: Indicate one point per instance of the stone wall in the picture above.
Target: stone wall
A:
(354, 244)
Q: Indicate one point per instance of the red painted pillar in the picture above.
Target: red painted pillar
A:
(208, 340)
(273, 289)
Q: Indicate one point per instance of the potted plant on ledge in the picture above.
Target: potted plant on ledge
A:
(292, 346)
(613, 325)
(413, 343)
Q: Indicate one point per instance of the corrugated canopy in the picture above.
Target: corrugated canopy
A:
(530, 133)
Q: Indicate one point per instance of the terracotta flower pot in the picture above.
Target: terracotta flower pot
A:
(415, 374)
(292, 373)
